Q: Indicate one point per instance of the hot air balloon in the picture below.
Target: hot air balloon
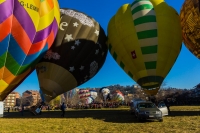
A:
(92, 97)
(105, 92)
(27, 31)
(86, 95)
(93, 94)
(89, 100)
(118, 96)
(77, 54)
(190, 24)
(145, 40)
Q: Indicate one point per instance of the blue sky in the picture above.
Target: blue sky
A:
(184, 74)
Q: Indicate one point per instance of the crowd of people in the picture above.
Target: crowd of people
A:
(97, 105)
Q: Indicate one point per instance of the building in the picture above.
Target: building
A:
(30, 97)
(11, 99)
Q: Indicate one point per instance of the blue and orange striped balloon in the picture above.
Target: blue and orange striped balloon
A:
(27, 31)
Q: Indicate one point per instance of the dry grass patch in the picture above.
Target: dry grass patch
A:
(183, 119)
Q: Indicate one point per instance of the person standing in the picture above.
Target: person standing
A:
(48, 107)
(63, 109)
(22, 110)
(168, 108)
(167, 104)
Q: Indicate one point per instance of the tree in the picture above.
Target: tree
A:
(74, 100)
(55, 101)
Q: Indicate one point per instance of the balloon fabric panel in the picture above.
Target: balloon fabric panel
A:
(93, 94)
(84, 93)
(170, 40)
(26, 34)
(118, 96)
(89, 100)
(57, 82)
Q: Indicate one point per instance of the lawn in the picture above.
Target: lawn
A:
(183, 119)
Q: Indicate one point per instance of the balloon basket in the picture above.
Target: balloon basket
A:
(35, 110)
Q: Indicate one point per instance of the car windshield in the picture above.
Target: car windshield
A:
(146, 105)
(162, 104)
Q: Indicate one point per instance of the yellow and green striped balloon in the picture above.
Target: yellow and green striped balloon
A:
(145, 40)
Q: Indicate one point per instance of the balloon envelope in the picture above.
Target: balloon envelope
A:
(145, 40)
(93, 94)
(87, 95)
(89, 100)
(84, 93)
(105, 92)
(190, 24)
(27, 30)
(118, 96)
(77, 54)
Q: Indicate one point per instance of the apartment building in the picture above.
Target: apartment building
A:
(11, 99)
(30, 97)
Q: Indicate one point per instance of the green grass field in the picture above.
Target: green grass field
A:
(183, 119)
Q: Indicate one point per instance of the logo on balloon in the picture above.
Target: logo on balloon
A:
(80, 16)
(133, 54)
(52, 55)
(41, 69)
(29, 6)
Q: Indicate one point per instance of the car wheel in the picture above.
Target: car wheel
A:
(138, 118)
(132, 113)
(135, 115)
(160, 120)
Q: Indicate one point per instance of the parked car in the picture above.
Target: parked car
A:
(163, 107)
(133, 104)
(146, 110)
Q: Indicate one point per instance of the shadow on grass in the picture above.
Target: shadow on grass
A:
(185, 113)
(115, 116)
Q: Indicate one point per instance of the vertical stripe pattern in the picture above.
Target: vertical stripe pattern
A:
(144, 19)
